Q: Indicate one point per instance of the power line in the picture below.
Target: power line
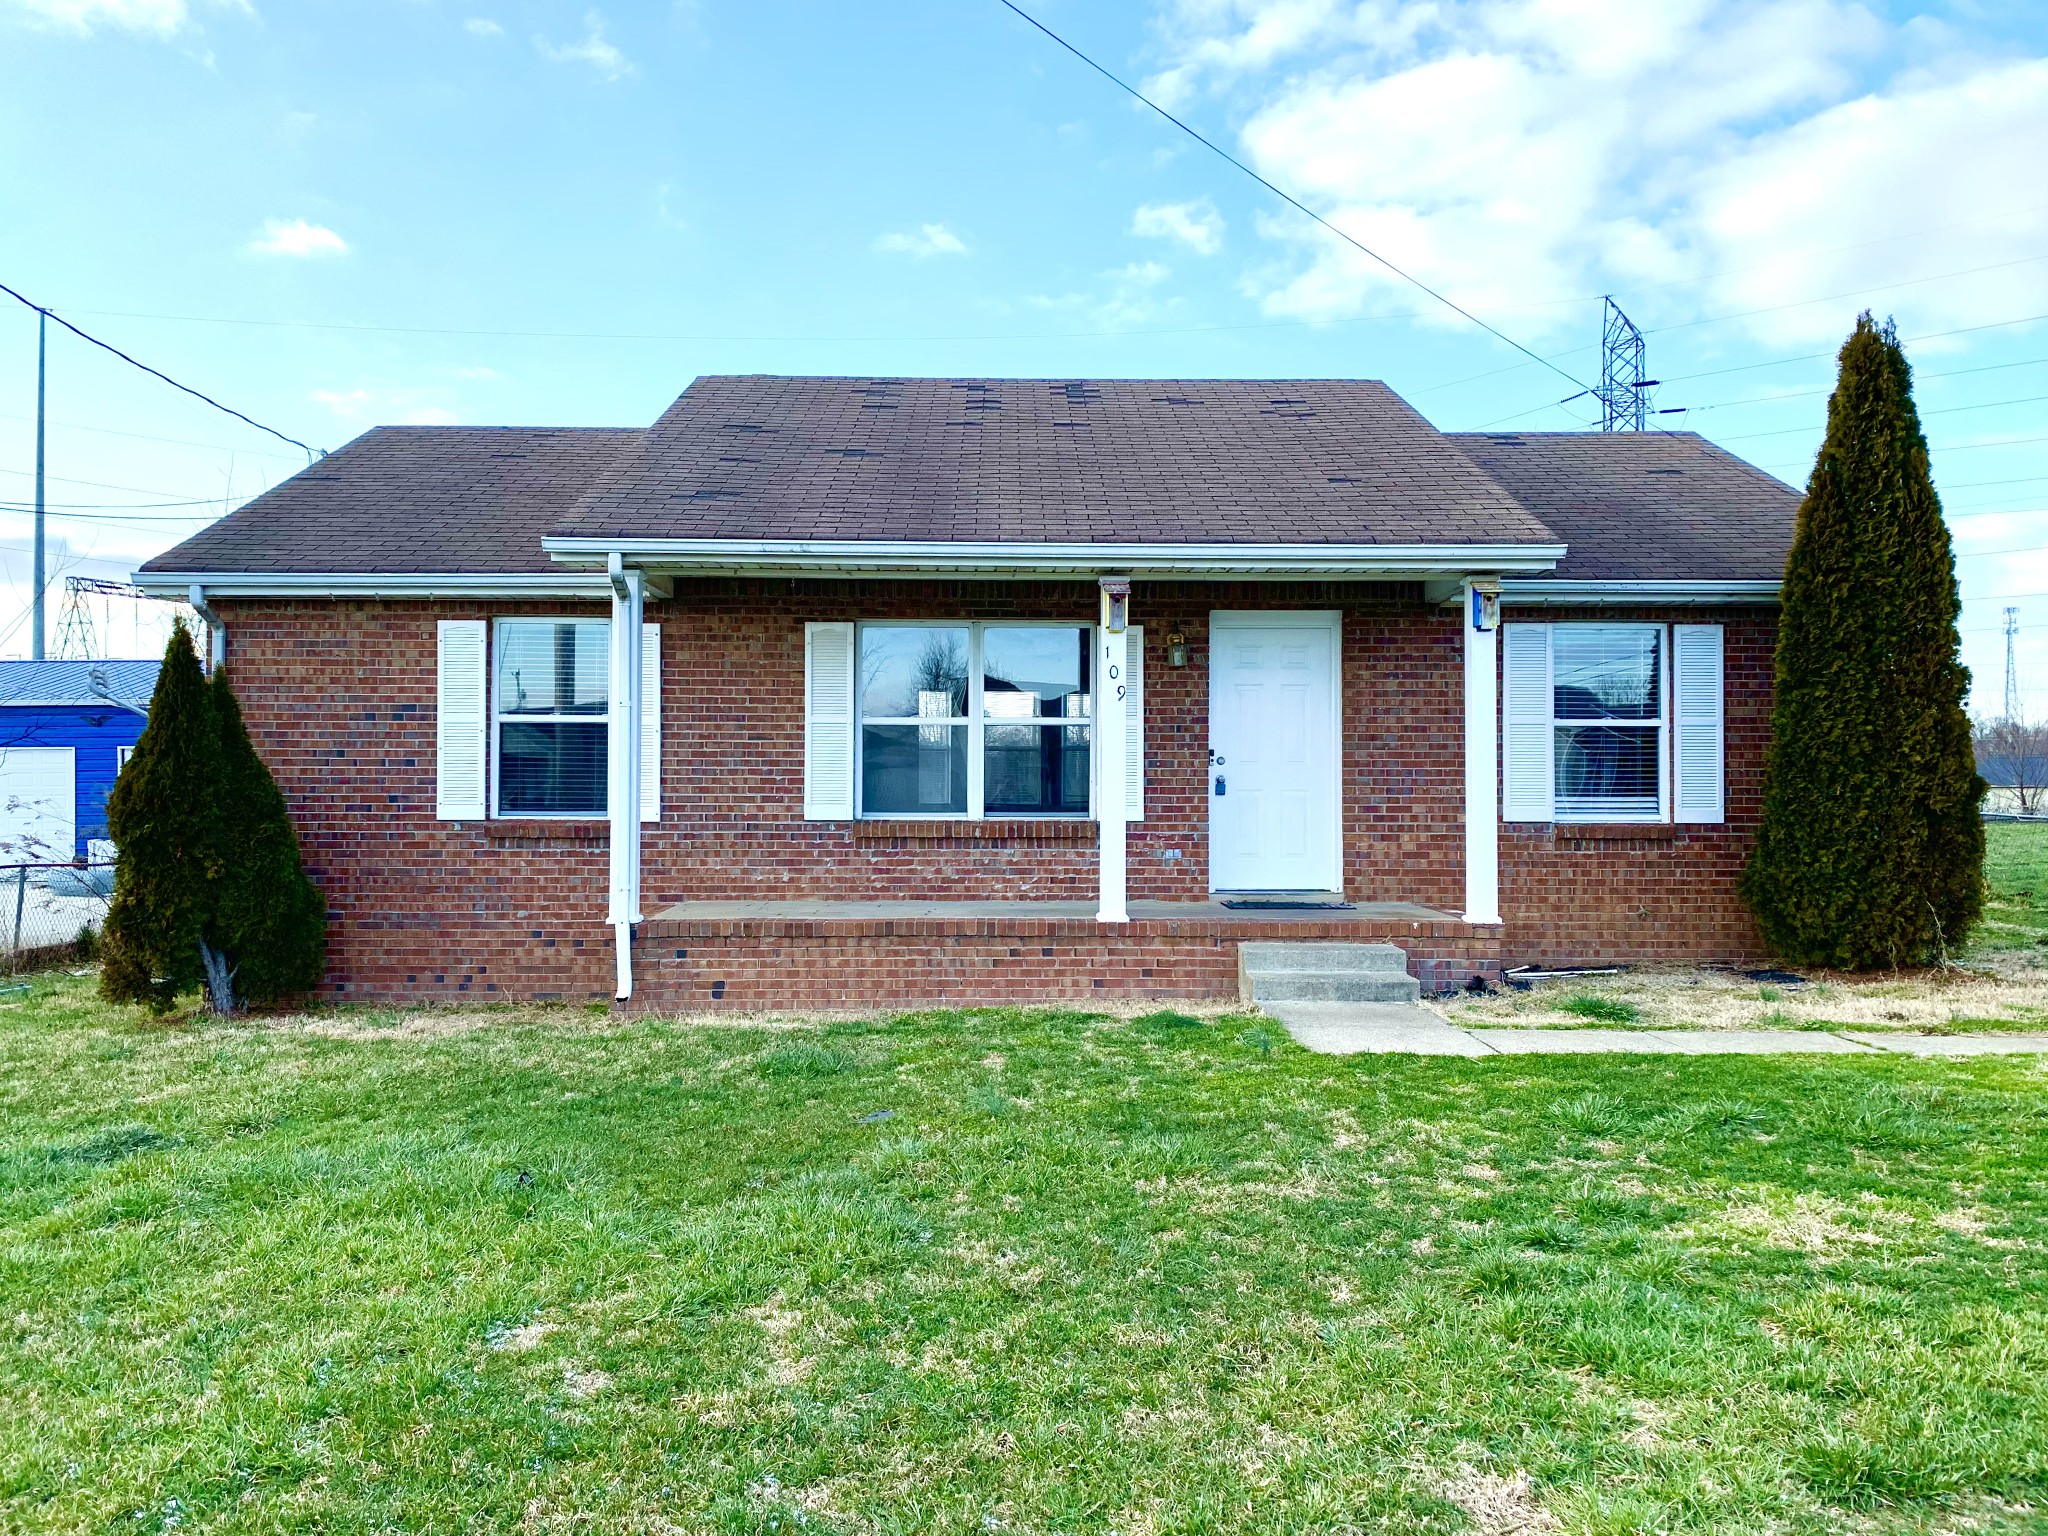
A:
(156, 373)
(1852, 293)
(146, 437)
(1291, 201)
(1808, 394)
(105, 485)
(1946, 410)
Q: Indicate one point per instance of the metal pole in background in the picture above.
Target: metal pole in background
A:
(35, 638)
(20, 900)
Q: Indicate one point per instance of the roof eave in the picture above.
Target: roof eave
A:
(869, 557)
(1562, 592)
(374, 584)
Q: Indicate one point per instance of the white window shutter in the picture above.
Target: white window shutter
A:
(460, 722)
(1134, 723)
(828, 722)
(1528, 763)
(1697, 729)
(650, 722)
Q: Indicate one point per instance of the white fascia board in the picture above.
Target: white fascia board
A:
(1559, 593)
(217, 584)
(862, 557)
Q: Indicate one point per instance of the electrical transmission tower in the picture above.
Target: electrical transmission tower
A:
(1624, 393)
(2012, 676)
(77, 636)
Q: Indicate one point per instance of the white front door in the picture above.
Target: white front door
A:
(38, 805)
(1273, 752)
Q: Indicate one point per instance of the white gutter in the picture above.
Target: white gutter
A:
(244, 584)
(1558, 592)
(867, 557)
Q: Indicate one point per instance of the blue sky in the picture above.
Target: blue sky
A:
(331, 215)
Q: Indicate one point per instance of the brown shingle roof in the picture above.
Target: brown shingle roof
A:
(1644, 506)
(414, 499)
(1124, 461)
(1142, 461)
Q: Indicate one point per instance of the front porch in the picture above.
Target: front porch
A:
(858, 954)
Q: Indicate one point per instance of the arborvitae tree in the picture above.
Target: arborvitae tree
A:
(164, 818)
(268, 922)
(1871, 850)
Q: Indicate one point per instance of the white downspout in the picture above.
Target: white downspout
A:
(623, 777)
(1481, 612)
(1112, 795)
(216, 632)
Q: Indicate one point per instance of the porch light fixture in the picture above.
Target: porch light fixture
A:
(1116, 604)
(1176, 649)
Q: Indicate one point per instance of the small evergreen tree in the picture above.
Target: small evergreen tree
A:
(164, 819)
(1871, 849)
(269, 922)
(208, 888)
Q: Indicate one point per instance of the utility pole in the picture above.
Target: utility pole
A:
(35, 639)
(1624, 393)
(2012, 677)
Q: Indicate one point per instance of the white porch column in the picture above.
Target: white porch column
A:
(1481, 608)
(622, 758)
(1112, 795)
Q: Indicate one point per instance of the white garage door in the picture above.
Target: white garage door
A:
(38, 805)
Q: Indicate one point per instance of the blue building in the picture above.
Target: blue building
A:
(66, 729)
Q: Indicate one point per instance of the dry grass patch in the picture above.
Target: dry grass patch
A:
(2015, 999)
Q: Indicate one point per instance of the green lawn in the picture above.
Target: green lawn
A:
(1009, 1271)
(2016, 877)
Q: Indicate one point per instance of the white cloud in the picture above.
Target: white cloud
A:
(595, 50)
(1127, 296)
(925, 241)
(160, 16)
(1196, 225)
(345, 403)
(1708, 156)
(482, 26)
(297, 238)
(413, 407)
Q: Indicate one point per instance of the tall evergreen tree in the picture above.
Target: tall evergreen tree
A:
(164, 818)
(208, 888)
(269, 922)
(1871, 849)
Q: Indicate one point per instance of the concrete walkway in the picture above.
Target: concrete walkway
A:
(1345, 1029)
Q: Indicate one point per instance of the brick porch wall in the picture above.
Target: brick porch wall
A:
(340, 698)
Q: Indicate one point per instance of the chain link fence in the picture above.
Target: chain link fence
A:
(50, 913)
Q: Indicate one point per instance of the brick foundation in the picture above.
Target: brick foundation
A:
(340, 698)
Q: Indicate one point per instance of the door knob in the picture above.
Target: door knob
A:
(1222, 786)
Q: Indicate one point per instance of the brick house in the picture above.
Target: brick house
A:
(833, 691)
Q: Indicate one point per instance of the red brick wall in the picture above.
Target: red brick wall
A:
(1634, 894)
(340, 697)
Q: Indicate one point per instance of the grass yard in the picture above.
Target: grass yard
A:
(1002, 1271)
(2016, 904)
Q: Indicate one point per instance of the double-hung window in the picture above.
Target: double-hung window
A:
(1608, 721)
(973, 719)
(551, 694)
(1612, 722)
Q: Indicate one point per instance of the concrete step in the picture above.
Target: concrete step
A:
(1322, 955)
(1325, 973)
